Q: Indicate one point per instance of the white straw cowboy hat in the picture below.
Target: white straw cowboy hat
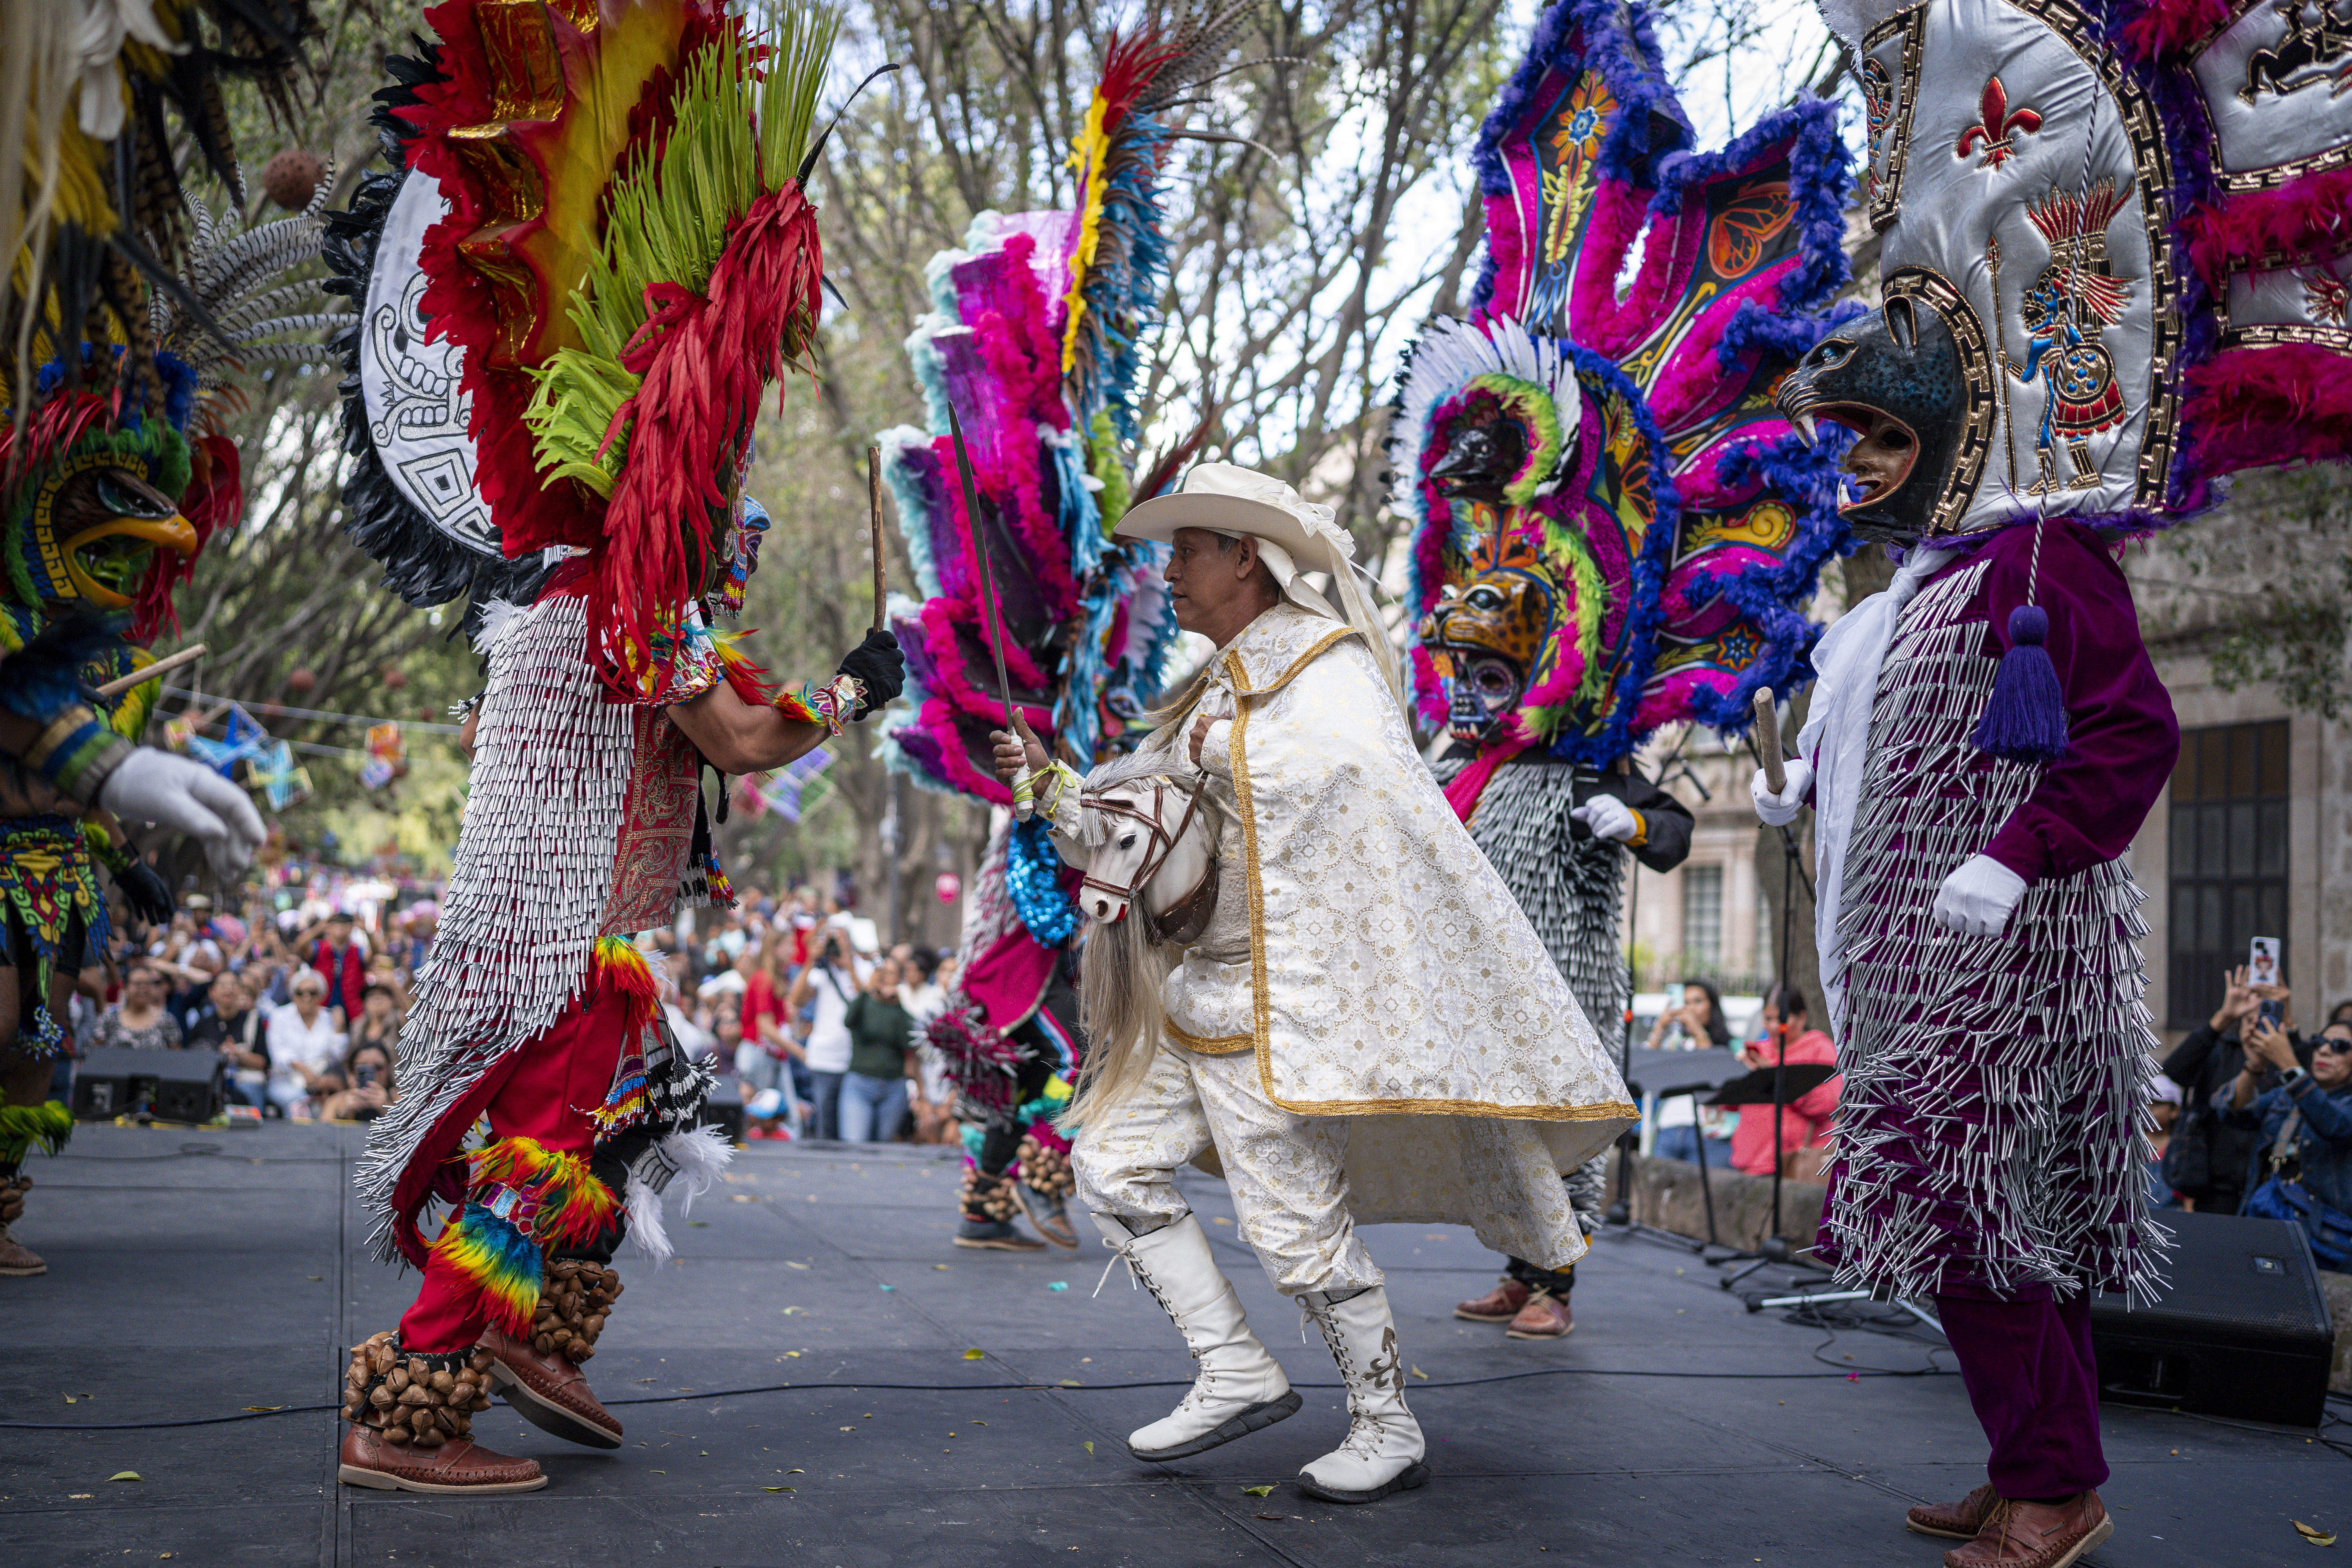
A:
(1294, 535)
(1227, 500)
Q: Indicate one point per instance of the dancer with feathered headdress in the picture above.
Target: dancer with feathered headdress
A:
(1034, 346)
(1613, 530)
(116, 327)
(2097, 296)
(610, 294)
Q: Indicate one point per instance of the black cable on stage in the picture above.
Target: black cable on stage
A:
(1850, 1372)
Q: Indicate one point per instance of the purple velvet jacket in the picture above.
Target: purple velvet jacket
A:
(2122, 737)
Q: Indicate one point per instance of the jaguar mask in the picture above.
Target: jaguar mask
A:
(1488, 634)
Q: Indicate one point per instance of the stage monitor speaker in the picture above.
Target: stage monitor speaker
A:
(724, 1110)
(172, 1086)
(2241, 1327)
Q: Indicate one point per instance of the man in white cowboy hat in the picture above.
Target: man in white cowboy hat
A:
(1366, 1030)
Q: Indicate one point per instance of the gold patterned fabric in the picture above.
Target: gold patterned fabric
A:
(1390, 969)
(1388, 976)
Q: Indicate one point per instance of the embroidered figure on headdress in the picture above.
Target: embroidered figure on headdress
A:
(2306, 56)
(2075, 296)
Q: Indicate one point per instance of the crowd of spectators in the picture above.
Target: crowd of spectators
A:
(303, 1004)
(801, 1006)
(2263, 1117)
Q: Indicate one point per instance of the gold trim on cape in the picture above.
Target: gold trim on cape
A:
(1209, 1044)
(1260, 1004)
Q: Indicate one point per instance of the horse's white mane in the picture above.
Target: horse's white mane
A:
(1148, 761)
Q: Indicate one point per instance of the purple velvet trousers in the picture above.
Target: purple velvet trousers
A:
(2035, 1389)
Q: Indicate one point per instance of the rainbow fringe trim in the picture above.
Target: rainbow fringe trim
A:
(499, 1261)
(722, 890)
(49, 1124)
(618, 963)
(521, 1198)
(626, 1105)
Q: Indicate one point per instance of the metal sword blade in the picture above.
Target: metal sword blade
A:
(993, 631)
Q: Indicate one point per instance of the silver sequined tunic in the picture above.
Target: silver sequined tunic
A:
(1988, 1131)
(1569, 885)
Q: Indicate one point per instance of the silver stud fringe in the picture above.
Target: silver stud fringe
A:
(1990, 1130)
(532, 875)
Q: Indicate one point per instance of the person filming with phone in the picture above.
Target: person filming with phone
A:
(2208, 1157)
(831, 981)
(2300, 1171)
(367, 1069)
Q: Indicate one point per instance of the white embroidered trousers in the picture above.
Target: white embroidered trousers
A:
(1286, 1171)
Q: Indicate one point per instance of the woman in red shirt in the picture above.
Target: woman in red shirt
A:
(1806, 1120)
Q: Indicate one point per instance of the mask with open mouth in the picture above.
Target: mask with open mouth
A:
(1487, 636)
(1893, 377)
(86, 529)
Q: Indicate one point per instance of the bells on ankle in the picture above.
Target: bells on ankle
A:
(414, 1398)
(988, 1198)
(575, 1296)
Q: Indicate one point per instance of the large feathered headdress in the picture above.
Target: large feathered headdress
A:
(126, 304)
(1652, 524)
(628, 262)
(1033, 341)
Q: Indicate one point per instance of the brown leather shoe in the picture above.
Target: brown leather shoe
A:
(460, 1466)
(549, 1392)
(1052, 1219)
(2018, 1535)
(1500, 1305)
(1545, 1317)
(16, 1260)
(1954, 1520)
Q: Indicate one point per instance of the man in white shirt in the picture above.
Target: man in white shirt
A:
(832, 980)
(304, 1046)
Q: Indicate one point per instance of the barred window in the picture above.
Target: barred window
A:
(1703, 916)
(2226, 872)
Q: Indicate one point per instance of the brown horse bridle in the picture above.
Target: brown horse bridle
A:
(1188, 916)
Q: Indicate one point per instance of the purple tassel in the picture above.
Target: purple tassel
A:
(2026, 718)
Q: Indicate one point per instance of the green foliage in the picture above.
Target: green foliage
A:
(2265, 587)
(2296, 641)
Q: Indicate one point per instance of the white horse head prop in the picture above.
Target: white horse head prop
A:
(1161, 849)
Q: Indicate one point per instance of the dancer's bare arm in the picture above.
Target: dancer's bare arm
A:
(735, 737)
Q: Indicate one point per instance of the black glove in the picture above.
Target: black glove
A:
(879, 668)
(147, 894)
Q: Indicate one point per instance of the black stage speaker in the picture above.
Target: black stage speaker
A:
(2241, 1329)
(724, 1110)
(174, 1086)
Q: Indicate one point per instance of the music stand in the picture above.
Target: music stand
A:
(1773, 1086)
(1656, 1076)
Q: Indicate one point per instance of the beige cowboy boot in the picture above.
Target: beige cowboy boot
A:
(1240, 1387)
(1382, 1451)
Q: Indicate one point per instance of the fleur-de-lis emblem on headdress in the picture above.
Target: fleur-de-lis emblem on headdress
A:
(1997, 128)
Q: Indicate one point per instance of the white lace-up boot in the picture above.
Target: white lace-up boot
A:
(1240, 1387)
(1383, 1447)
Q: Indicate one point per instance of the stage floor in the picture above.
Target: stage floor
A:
(195, 1273)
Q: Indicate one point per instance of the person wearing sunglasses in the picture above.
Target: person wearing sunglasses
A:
(2302, 1166)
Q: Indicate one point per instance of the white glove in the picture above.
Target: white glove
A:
(1608, 817)
(1976, 899)
(1781, 809)
(156, 786)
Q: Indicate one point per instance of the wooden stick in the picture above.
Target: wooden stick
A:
(160, 667)
(1768, 740)
(874, 511)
